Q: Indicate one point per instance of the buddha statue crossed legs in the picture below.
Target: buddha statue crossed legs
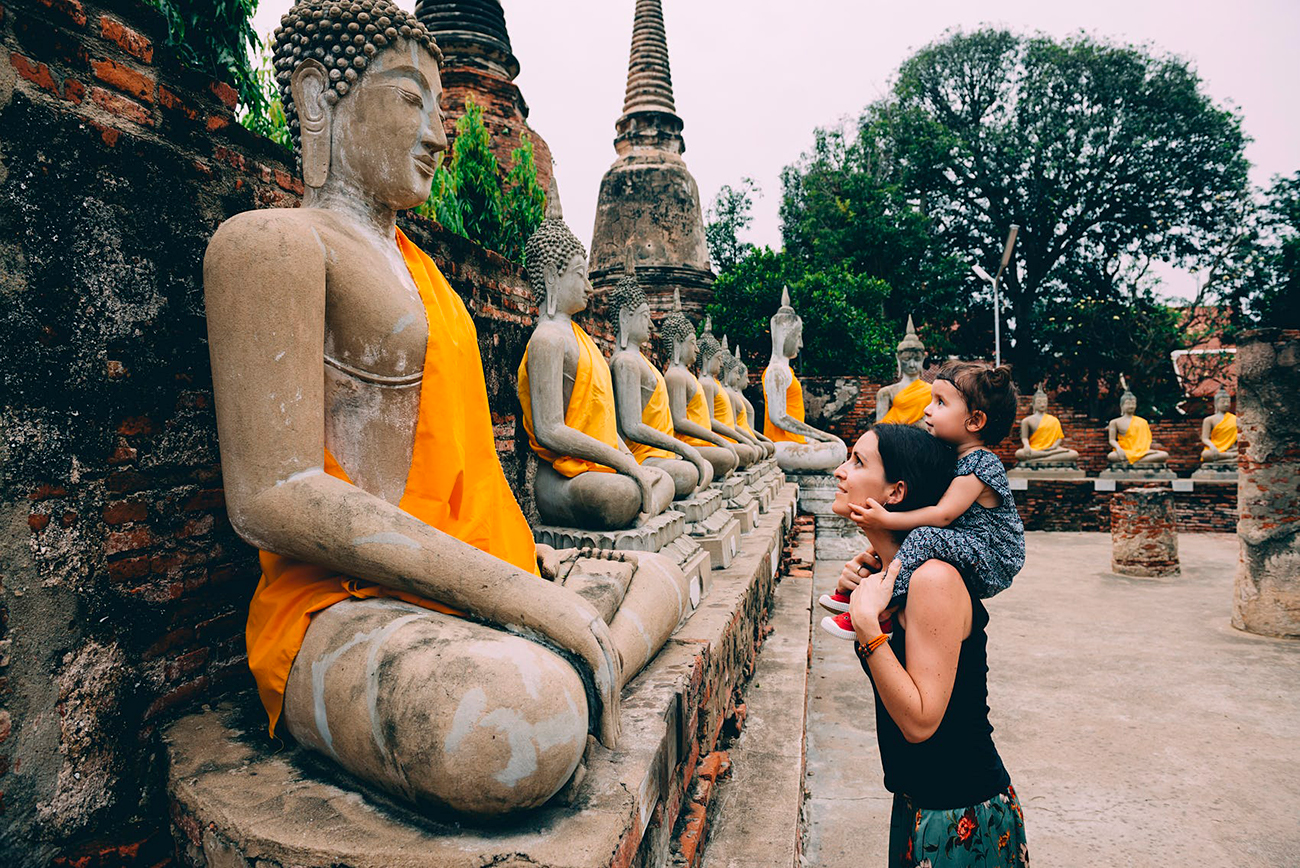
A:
(1130, 438)
(1219, 433)
(645, 421)
(691, 414)
(1041, 436)
(716, 398)
(358, 453)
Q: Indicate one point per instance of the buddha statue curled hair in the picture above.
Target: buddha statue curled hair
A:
(343, 36)
(626, 295)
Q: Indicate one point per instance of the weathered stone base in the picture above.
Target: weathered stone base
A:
(1144, 539)
(817, 489)
(711, 525)
(239, 800)
(650, 536)
(1137, 471)
(1065, 470)
(1216, 473)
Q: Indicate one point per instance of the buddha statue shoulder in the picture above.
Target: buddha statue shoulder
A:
(735, 377)
(691, 414)
(716, 398)
(645, 421)
(904, 402)
(799, 446)
(352, 410)
(1041, 436)
(1130, 437)
(1219, 432)
(587, 477)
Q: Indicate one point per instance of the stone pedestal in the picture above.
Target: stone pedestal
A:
(1221, 472)
(817, 489)
(710, 526)
(1143, 535)
(664, 533)
(740, 501)
(1158, 471)
(1063, 470)
(1267, 595)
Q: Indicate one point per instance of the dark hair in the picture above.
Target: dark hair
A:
(922, 461)
(989, 390)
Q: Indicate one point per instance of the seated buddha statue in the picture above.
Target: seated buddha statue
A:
(799, 446)
(1219, 433)
(1130, 436)
(1041, 435)
(904, 402)
(692, 421)
(641, 397)
(358, 454)
(587, 477)
(735, 376)
(716, 398)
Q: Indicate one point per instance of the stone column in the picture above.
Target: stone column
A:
(1267, 595)
(1143, 536)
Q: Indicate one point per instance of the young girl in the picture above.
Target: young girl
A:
(975, 526)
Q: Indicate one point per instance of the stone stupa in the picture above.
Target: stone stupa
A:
(648, 214)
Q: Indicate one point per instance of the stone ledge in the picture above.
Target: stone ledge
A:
(237, 800)
(649, 536)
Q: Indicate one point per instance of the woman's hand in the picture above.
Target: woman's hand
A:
(870, 599)
(871, 516)
(855, 570)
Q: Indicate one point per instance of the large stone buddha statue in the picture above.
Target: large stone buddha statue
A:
(1130, 438)
(716, 398)
(587, 477)
(1219, 434)
(735, 377)
(799, 446)
(692, 419)
(358, 454)
(904, 402)
(645, 421)
(1041, 437)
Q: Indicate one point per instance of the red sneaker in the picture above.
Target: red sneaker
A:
(840, 626)
(835, 602)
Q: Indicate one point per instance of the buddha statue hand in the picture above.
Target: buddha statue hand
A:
(705, 468)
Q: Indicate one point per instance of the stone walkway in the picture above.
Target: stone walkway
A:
(1140, 729)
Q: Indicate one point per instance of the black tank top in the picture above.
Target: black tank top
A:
(958, 766)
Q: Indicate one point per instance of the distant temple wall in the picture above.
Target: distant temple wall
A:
(123, 588)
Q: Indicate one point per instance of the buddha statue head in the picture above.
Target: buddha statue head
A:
(1222, 400)
(1128, 402)
(787, 329)
(910, 352)
(1040, 400)
(630, 311)
(738, 371)
(710, 350)
(679, 335)
(557, 262)
(359, 83)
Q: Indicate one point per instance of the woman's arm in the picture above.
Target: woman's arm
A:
(961, 494)
(938, 618)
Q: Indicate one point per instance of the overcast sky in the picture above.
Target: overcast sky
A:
(752, 78)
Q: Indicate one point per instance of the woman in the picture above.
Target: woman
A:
(953, 800)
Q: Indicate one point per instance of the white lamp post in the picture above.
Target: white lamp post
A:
(997, 299)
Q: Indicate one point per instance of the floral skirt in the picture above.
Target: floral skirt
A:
(989, 834)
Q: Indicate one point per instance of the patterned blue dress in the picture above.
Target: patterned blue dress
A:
(986, 544)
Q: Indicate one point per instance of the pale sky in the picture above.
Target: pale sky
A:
(752, 78)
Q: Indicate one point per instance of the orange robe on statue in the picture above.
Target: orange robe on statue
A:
(590, 410)
(722, 411)
(658, 416)
(697, 411)
(908, 406)
(793, 409)
(455, 484)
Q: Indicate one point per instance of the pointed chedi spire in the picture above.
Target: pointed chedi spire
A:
(649, 80)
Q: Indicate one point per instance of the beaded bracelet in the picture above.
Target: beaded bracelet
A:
(867, 650)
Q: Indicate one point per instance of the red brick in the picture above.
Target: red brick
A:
(73, 90)
(124, 78)
(170, 101)
(71, 8)
(226, 94)
(715, 765)
(692, 835)
(126, 569)
(126, 480)
(133, 43)
(217, 122)
(121, 106)
(47, 490)
(174, 639)
(133, 425)
(210, 498)
(199, 526)
(34, 71)
(38, 522)
(122, 455)
(177, 697)
(67, 520)
(186, 664)
(108, 134)
(118, 541)
(124, 511)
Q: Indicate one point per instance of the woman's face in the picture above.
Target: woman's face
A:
(862, 475)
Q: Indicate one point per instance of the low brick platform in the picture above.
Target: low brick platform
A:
(238, 801)
(1076, 505)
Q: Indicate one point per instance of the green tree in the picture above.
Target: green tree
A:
(523, 202)
(1107, 156)
(729, 216)
(216, 37)
(1276, 299)
(266, 118)
(478, 181)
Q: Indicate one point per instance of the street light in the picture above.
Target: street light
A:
(997, 299)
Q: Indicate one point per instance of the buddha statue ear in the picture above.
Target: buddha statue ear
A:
(623, 316)
(310, 85)
(551, 275)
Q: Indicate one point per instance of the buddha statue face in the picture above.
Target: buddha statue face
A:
(688, 349)
(1040, 401)
(910, 361)
(634, 325)
(567, 285)
(1222, 402)
(1128, 404)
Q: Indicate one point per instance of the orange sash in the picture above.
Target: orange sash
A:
(908, 406)
(1224, 435)
(1136, 441)
(697, 410)
(742, 418)
(1047, 433)
(658, 416)
(722, 410)
(455, 484)
(793, 409)
(590, 410)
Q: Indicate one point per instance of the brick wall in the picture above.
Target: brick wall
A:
(1074, 505)
(123, 589)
